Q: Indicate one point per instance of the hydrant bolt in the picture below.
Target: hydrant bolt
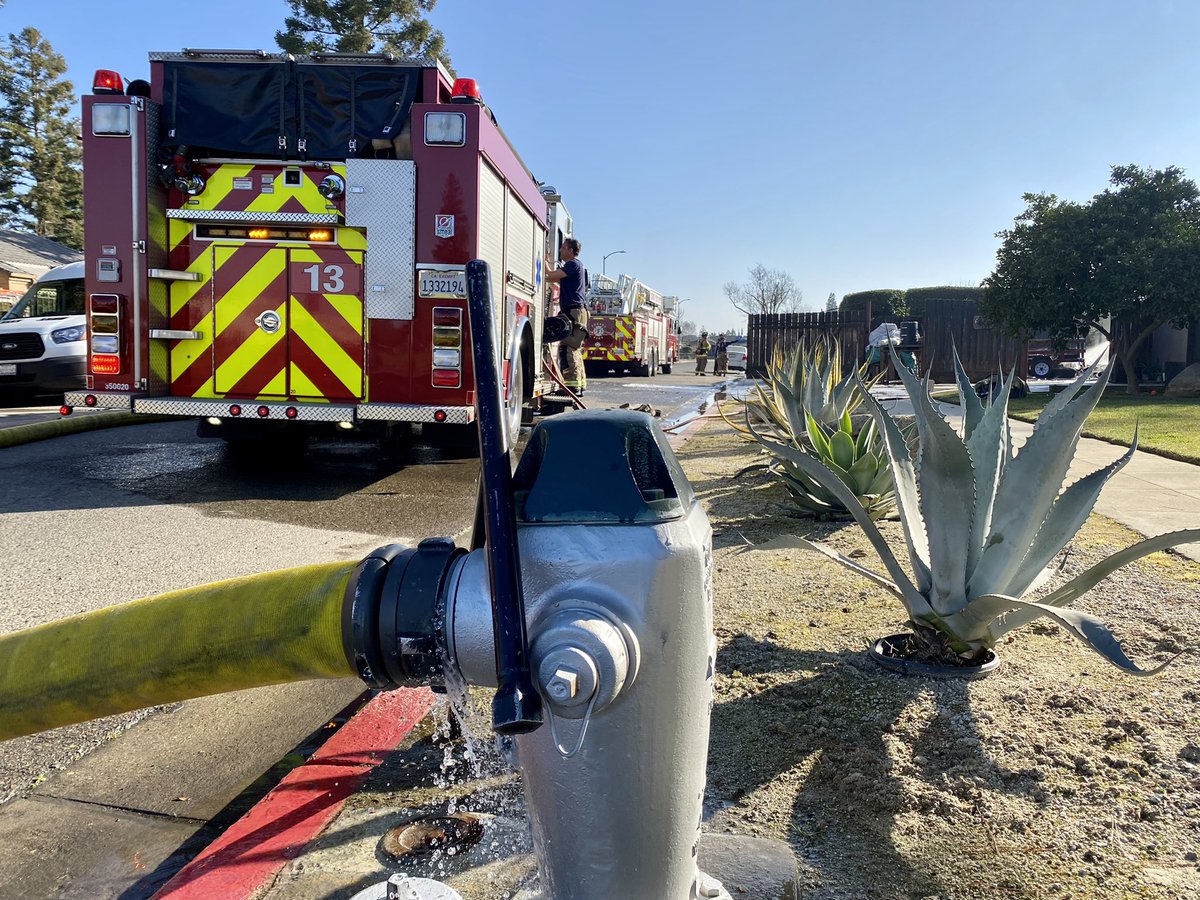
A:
(564, 685)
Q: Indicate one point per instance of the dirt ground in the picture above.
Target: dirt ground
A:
(1058, 776)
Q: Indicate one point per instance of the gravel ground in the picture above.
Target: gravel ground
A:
(1058, 776)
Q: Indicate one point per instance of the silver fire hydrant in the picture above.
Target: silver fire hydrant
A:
(616, 563)
(589, 609)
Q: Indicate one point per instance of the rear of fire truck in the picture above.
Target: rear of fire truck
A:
(278, 241)
(629, 328)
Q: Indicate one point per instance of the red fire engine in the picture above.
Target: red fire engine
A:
(275, 239)
(631, 328)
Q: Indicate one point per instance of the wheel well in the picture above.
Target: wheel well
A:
(527, 362)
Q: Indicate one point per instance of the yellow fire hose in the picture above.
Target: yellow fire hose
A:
(246, 632)
(40, 431)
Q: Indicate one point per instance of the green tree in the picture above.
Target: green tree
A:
(1125, 263)
(363, 26)
(831, 302)
(41, 188)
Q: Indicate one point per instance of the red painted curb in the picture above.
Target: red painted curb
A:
(252, 851)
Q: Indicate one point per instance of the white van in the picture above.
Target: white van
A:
(42, 338)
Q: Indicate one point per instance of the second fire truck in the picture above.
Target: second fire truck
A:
(631, 328)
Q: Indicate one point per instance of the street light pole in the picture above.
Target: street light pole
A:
(604, 260)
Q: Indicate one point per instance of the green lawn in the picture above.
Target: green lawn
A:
(1168, 427)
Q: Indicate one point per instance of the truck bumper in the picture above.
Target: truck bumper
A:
(274, 410)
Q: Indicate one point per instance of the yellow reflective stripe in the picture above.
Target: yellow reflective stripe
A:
(177, 230)
(184, 352)
(219, 185)
(351, 239)
(341, 364)
(249, 352)
(349, 308)
(234, 299)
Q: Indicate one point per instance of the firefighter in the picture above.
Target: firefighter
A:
(571, 278)
(721, 366)
(702, 348)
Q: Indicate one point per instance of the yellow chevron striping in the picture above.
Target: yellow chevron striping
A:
(302, 387)
(233, 302)
(184, 353)
(220, 185)
(351, 239)
(248, 354)
(330, 352)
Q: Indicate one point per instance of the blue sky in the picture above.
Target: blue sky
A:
(855, 144)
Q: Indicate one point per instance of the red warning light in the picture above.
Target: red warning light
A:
(264, 411)
(106, 81)
(291, 412)
(235, 410)
(439, 416)
(64, 410)
(90, 400)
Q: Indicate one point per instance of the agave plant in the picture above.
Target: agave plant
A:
(983, 522)
(806, 407)
(804, 381)
(860, 462)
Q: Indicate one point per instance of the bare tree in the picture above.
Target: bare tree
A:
(767, 291)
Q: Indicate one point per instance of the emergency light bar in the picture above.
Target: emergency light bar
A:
(264, 233)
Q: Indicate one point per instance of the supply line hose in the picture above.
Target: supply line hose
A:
(246, 632)
(40, 431)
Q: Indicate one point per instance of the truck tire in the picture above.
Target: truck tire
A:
(516, 401)
(666, 368)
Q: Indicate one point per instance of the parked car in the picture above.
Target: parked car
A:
(42, 338)
(737, 356)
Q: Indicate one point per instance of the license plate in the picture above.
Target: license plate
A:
(442, 284)
(8, 368)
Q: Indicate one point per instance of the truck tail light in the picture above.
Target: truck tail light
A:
(104, 326)
(447, 346)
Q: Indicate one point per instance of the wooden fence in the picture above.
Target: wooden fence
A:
(946, 325)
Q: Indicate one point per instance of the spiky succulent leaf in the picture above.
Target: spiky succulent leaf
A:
(1029, 486)
(819, 472)
(1084, 626)
(972, 407)
(947, 497)
(1086, 580)
(907, 498)
(1063, 522)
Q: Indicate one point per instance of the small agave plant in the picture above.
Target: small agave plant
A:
(806, 407)
(983, 522)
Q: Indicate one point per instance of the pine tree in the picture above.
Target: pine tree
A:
(831, 305)
(363, 26)
(41, 188)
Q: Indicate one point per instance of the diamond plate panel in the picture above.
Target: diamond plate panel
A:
(103, 401)
(312, 412)
(235, 215)
(381, 196)
(413, 412)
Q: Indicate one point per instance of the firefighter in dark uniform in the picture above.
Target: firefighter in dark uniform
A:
(571, 278)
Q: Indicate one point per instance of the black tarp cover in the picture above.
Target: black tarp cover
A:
(324, 111)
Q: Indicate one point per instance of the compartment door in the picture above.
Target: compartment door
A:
(250, 321)
(325, 315)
